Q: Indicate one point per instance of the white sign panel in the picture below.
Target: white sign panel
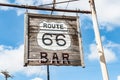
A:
(51, 36)
(52, 40)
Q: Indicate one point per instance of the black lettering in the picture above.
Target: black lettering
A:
(61, 26)
(49, 25)
(55, 58)
(44, 58)
(53, 25)
(57, 26)
(44, 25)
(65, 57)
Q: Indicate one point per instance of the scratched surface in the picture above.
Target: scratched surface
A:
(67, 40)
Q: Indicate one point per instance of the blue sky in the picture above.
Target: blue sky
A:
(12, 42)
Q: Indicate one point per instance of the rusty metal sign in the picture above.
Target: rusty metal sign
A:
(52, 40)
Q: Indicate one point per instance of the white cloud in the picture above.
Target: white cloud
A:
(46, 1)
(110, 55)
(108, 13)
(3, 7)
(82, 4)
(3, 1)
(22, 11)
(107, 26)
(26, 2)
(37, 79)
(93, 52)
(118, 77)
(103, 38)
(29, 2)
(107, 10)
(12, 60)
(109, 52)
(31, 70)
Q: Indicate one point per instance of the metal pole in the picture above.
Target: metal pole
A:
(6, 74)
(98, 41)
(48, 76)
(6, 77)
(54, 1)
(43, 8)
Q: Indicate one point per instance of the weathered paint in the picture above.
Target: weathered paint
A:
(52, 40)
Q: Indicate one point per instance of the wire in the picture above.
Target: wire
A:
(54, 1)
(66, 6)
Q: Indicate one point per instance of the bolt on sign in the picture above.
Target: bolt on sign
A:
(52, 40)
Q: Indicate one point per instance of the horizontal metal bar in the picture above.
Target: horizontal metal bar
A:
(43, 8)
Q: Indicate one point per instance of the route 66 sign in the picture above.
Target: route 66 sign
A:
(52, 34)
(52, 40)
